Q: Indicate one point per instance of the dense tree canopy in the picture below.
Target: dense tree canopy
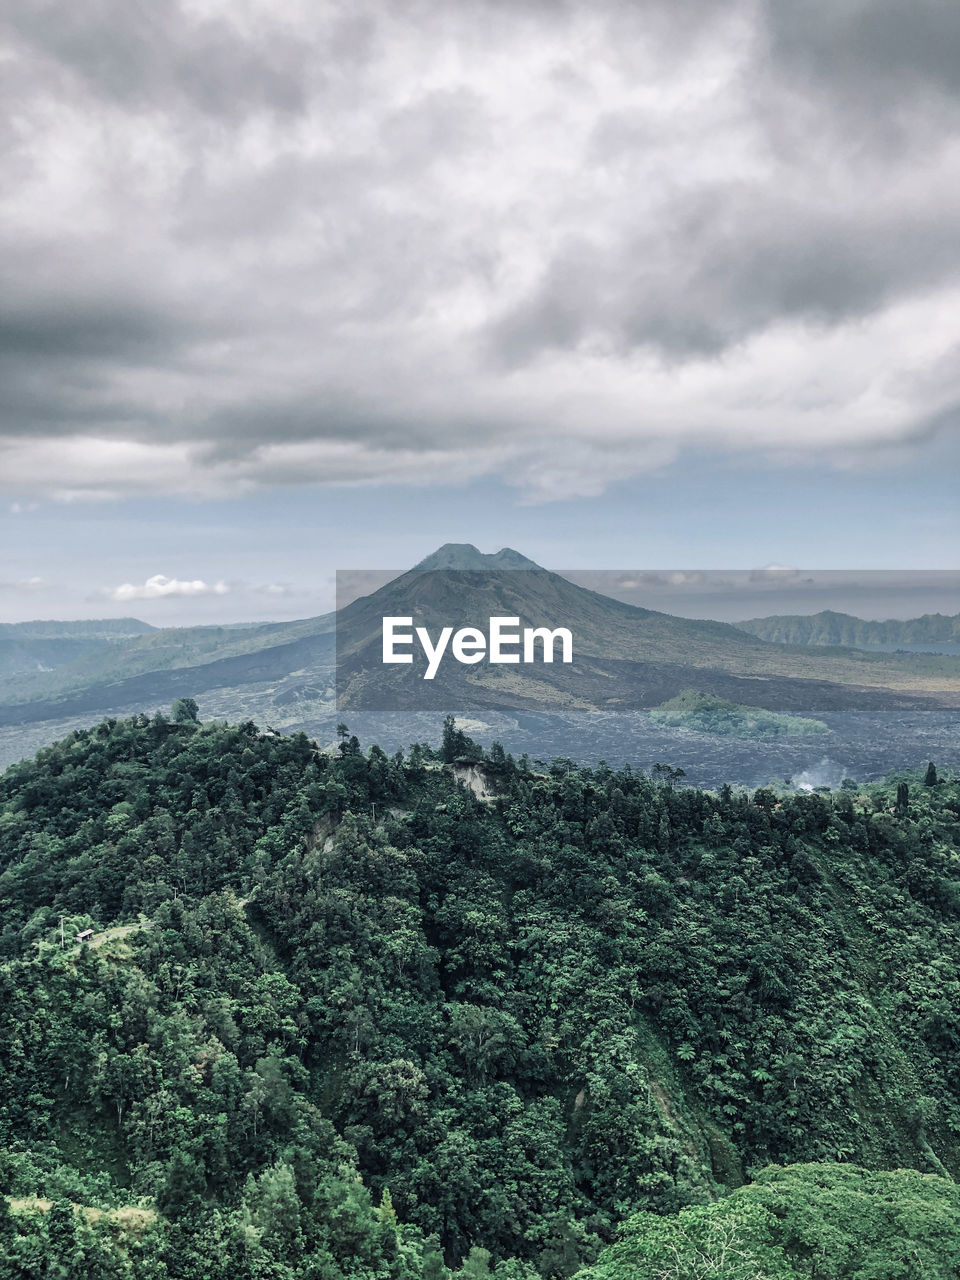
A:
(346, 1015)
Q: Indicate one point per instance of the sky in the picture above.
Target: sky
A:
(288, 288)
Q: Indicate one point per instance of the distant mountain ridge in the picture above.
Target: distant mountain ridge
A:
(83, 628)
(28, 648)
(831, 628)
(627, 658)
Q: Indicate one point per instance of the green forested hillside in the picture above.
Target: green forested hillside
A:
(127, 663)
(345, 1017)
(29, 648)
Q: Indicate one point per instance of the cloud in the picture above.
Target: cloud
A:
(169, 56)
(774, 573)
(159, 586)
(558, 243)
(882, 58)
(24, 586)
(689, 578)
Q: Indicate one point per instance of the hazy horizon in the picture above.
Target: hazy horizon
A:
(725, 595)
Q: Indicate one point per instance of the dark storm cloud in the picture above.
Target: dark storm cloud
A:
(83, 328)
(61, 355)
(155, 55)
(258, 244)
(238, 431)
(886, 54)
(717, 267)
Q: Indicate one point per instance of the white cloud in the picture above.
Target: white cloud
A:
(558, 244)
(159, 585)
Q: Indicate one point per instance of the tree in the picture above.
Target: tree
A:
(476, 1265)
(186, 711)
(183, 1185)
(274, 1208)
(723, 1241)
(930, 778)
(842, 1222)
(62, 1240)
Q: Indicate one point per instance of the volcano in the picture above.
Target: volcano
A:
(625, 658)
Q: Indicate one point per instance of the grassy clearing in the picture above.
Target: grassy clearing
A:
(131, 1219)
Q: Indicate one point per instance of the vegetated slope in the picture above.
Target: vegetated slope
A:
(266, 662)
(167, 664)
(707, 714)
(30, 647)
(526, 1016)
(831, 628)
(25, 656)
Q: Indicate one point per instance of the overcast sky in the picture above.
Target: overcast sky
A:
(289, 287)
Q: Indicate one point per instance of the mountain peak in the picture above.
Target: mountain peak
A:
(464, 555)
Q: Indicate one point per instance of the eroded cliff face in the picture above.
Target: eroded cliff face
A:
(474, 779)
